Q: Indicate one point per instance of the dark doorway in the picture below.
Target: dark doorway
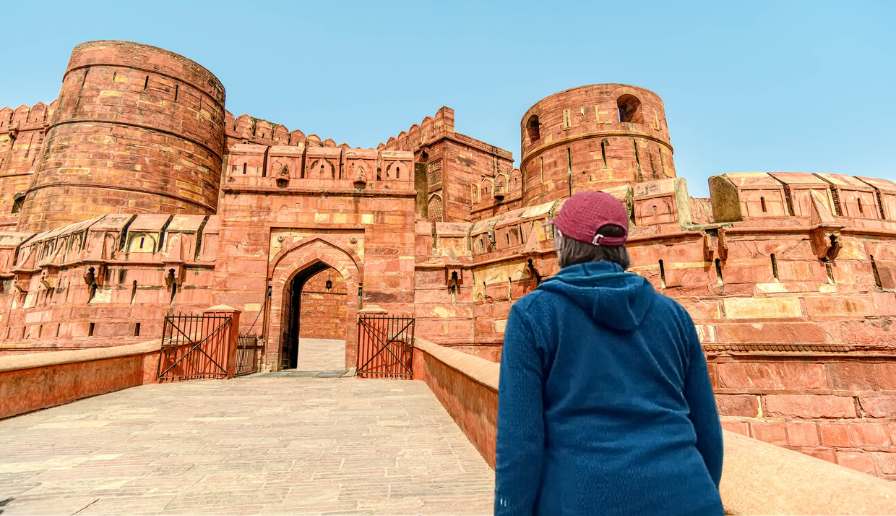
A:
(314, 318)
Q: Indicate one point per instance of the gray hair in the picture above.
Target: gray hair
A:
(571, 252)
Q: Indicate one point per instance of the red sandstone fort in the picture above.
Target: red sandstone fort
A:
(136, 193)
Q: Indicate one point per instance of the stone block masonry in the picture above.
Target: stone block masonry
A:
(136, 128)
(323, 306)
(136, 193)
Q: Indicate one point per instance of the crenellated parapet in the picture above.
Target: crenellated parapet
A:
(247, 129)
(432, 129)
(304, 168)
(759, 197)
(22, 134)
(818, 260)
(26, 118)
(426, 132)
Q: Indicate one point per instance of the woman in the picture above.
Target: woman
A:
(604, 403)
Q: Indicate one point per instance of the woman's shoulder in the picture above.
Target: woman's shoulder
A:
(536, 301)
(671, 306)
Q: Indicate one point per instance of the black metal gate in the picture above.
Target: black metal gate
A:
(385, 346)
(248, 353)
(195, 346)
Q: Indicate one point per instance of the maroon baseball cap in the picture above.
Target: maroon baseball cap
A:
(586, 212)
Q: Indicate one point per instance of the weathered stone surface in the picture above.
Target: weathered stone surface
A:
(331, 445)
(804, 405)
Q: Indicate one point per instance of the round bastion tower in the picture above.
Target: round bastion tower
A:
(593, 137)
(138, 129)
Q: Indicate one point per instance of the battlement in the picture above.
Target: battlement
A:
(433, 129)
(758, 197)
(305, 166)
(22, 134)
(808, 279)
(741, 202)
(26, 118)
(426, 132)
(120, 238)
(249, 129)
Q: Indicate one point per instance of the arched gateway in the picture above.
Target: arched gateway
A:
(289, 272)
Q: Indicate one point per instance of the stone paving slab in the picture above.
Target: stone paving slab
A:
(321, 354)
(252, 445)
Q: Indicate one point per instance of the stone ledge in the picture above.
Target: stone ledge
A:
(53, 358)
(479, 369)
(761, 478)
(758, 478)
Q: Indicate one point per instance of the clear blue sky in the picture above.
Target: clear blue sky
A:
(747, 85)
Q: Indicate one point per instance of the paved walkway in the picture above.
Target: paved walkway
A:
(321, 355)
(258, 444)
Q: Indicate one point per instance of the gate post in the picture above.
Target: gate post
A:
(233, 335)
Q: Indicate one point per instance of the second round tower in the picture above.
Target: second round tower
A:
(593, 137)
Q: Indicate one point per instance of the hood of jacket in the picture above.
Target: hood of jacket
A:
(613, 298)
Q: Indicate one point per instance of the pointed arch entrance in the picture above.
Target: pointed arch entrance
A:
(314, 320)
(290, 272)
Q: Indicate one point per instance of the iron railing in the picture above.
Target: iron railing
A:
(385, 346)
(195, 346)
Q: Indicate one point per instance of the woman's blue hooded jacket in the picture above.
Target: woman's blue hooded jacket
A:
(605, 404)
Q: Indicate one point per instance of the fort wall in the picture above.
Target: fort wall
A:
(113, 276)
(793, 303)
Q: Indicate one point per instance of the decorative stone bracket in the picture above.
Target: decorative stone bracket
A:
(49, 277)
(534, 273)
(360, 182)
(490, 235)
(826, 242)
(283, 178)
(715, 244)
(94, 274)
(21, 282)
(174, 274)
(454, 277)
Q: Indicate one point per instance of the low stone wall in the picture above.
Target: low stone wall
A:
(468, 388)
(758, 478)
(41, 380)
(838, 408)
